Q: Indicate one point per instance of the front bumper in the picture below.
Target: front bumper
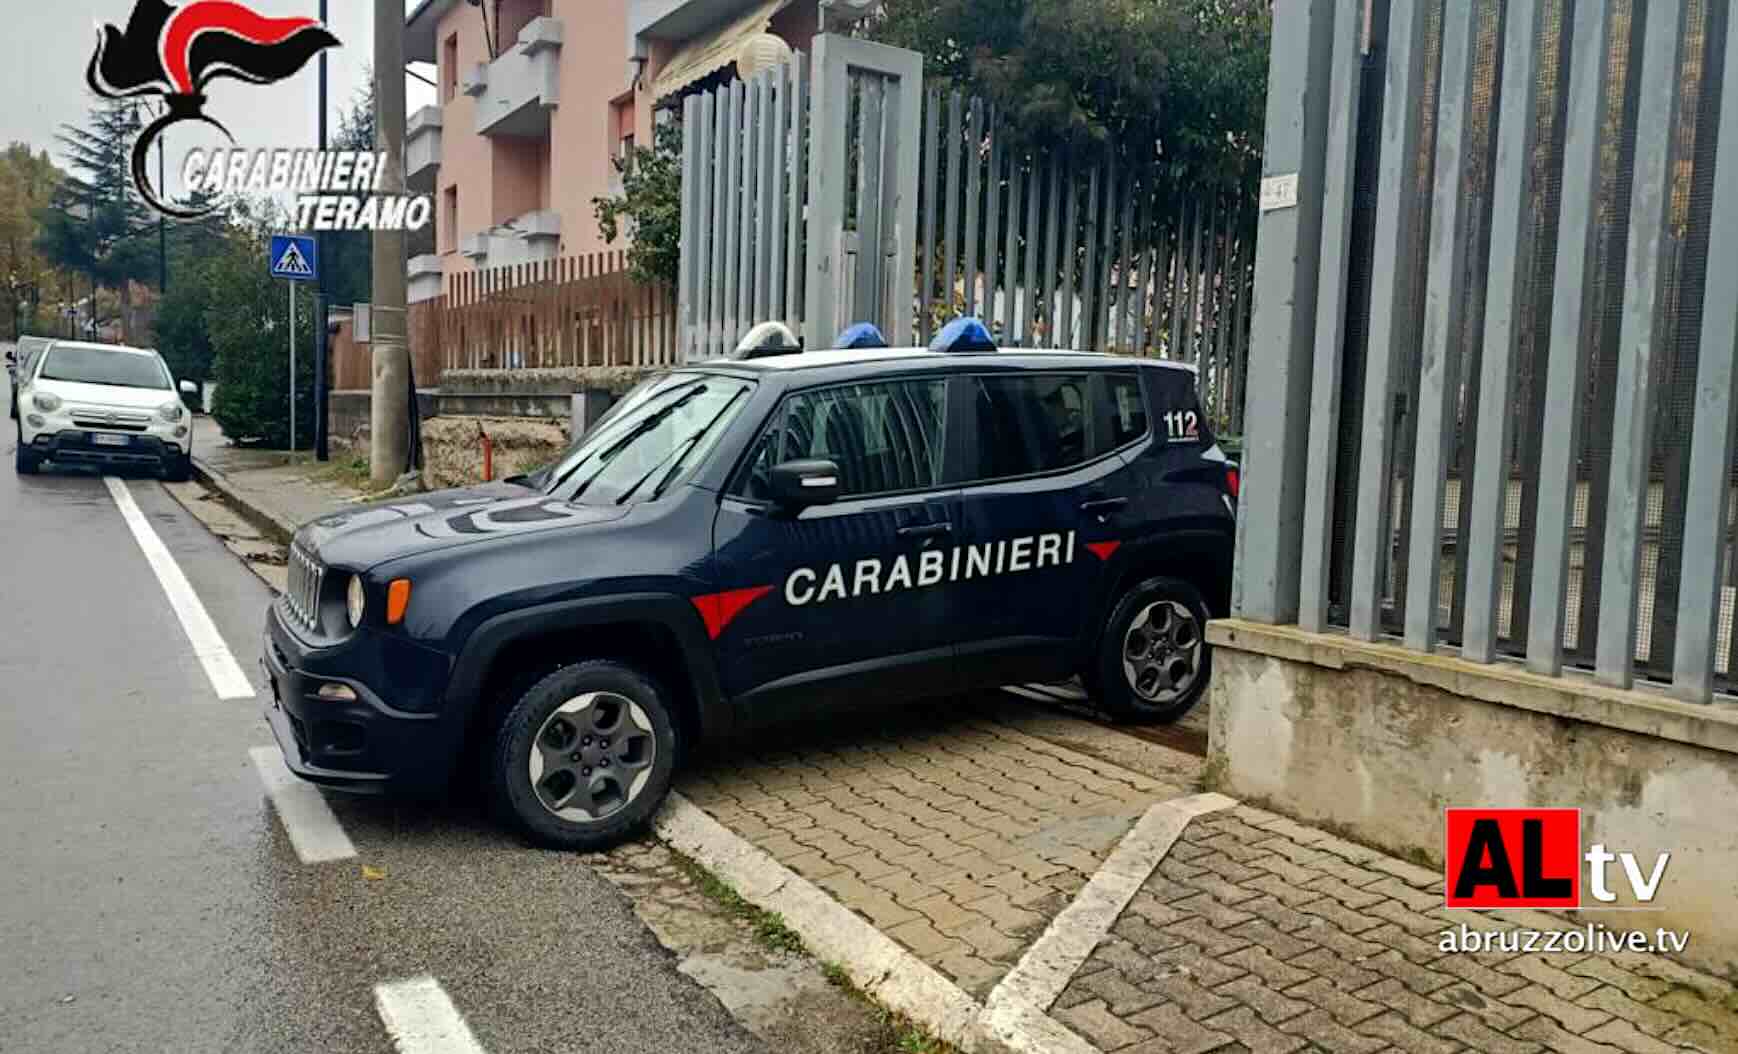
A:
(76, 446)
(364, 746)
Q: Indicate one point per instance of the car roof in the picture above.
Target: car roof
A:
(84, 345)
(850, 360)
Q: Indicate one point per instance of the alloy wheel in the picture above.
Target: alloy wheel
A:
(592, 756)
(1161, 652)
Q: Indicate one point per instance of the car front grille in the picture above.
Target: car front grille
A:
(117, 420)
(302, 597)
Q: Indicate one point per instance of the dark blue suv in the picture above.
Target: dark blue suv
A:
(743, 541)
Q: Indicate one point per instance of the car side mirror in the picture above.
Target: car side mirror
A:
(188, 388)
(804, 482)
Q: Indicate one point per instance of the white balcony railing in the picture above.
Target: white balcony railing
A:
(422, 148)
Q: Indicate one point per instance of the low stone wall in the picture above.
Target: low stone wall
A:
(1375, 741)
(452, 449)
(562, 381)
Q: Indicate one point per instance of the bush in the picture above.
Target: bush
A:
(247, 318)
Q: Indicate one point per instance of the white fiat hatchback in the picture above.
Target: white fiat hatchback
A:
(103, 404)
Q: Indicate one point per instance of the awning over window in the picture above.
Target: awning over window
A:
(714, 49)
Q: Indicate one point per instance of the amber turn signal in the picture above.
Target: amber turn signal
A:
(397, 599)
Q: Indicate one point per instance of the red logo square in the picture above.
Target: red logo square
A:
(1512, 858)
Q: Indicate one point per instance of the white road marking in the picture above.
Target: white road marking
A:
(421, 1018)
(315, 833)
(221, 669)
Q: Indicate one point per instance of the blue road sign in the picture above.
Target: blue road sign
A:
(294, 257)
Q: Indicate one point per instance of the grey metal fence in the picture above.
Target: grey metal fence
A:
(1095, 247)
(1500, 408)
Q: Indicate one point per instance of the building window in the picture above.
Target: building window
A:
(450, 68)
(449, 227)
(622, 118)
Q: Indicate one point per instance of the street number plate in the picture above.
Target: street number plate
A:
(104, 439)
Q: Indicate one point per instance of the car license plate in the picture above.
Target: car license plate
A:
(104, 439)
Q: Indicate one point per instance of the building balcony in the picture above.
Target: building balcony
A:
(528, 238)
(518, 91)
(422, 149)
(423, 278)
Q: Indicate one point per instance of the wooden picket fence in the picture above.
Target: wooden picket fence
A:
(582, 310)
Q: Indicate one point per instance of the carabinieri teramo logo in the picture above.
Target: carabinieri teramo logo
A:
(177, 52)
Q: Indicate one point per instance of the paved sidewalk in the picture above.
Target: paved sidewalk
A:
(1257, 933)
(284, 489)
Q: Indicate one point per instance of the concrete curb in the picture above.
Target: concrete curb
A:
(1015, 1018)
(276, 526)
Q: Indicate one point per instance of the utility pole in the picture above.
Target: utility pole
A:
(389, 447)
(322, 306)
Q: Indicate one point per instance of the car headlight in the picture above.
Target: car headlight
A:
(47, 402)
(355, 600)
(170, 411)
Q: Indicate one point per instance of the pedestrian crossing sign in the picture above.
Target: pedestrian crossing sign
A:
(295, 258)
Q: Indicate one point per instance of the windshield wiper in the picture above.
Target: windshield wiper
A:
(633, 435)
(680, 452)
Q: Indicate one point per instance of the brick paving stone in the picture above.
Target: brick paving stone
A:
(992, 944)
(811, 865)
(1254, 1033)
(924, 939)
(1223, 890)
(1346, 893)
(1425, 980)
(1270, 1004)
(1261, 963)
(1411, 896)
(1476, 1034)
(1417, 1009)
(1095, 1021)
(1275, 864)
(1199, 933)
(1190, 961)
(1534, 968)
(1227, 868)
(1576, 1019)
(1326, 1034)
(1543, 1030)
(1407, 919)
(1347, 1009)
(1624, 1036)
(1628, 982)
(869, 866)
(1337, 913)
(1699, 1035)
(1143, 935)
(1326, 963)
(1250, 815)
(1196, 1001)
(1347, 946)
(1153, 911)
(1421, 950)
(1295, 831)
(1127, 960)
(1686, 1003)
(1485, 979)
(1123, 997)
(1351, 852)
(1652, 1020)
(1277, 917)
(1223, 843)
(946, 915)
(1175, 1033)
(1409, 873)
(1288, 893)
(976, 975)
(1212, 909)
(1496, 1013)
(1404, 1036)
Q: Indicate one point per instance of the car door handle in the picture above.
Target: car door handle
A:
(1100, 506)
(926, 530)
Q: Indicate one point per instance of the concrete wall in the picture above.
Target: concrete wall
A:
(1376, 741)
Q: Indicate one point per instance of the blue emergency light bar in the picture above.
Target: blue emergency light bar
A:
(860, 335)
(963, 334)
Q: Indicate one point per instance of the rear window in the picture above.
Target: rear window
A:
(1122, 414)
(121, 369)
(1030, 423)
(1180, 419)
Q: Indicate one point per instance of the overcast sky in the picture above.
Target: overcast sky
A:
(42, 79)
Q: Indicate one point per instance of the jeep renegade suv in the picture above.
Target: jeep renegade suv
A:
(740, 541)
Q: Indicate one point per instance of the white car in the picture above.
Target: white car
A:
(103, 404)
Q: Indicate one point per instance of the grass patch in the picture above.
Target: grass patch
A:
(899, 1033)
(769, 927)
(352, 472)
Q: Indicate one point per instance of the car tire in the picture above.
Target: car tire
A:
(1154, 661)
(179, 470)
(24, 459)
(598, 728)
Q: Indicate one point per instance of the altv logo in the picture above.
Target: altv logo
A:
(1532, 858)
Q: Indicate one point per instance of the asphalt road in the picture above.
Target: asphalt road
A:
(150, 898)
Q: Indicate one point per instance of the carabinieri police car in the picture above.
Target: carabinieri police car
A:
(752, 538)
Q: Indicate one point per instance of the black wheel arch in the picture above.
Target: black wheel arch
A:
(1200, 556)
(660, 633)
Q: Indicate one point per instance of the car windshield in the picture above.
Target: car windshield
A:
(670, 427)
(123, 369)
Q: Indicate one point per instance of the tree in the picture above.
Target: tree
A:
(649, 208)
(94, 223)
(27, 185)
(1187, 75)
(247, 322)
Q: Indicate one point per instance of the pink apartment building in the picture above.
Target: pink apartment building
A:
(536, 97)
